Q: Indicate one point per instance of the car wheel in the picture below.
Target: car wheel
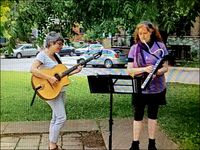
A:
(81, 61)
(71, 53)
(19, 55)
(108, 63)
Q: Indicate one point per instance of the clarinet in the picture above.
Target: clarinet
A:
(150, 75)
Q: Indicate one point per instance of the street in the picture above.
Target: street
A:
(24, 64)
(175, 74)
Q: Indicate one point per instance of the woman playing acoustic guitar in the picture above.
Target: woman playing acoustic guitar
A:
(48, 58)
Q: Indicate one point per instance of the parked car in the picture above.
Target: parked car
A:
(85, 48)
(23, 50)
(108, 59)
(78, 44)
(67, 50)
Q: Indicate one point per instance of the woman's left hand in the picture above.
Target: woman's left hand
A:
(79, 68)
(162, 70)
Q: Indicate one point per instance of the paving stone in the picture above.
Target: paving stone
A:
(73, 147)
(95, 148)
(44, 142)
(80, 125)
(72, 135)
(8, 142)
(72, 143)
(27, 127)
(29, 142)
(43, 147)
(3, 126)
(71, 139)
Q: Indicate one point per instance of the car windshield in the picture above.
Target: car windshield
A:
(19, 45)
(96, 46)
(118, 51)
(91, 52)
(85, 46)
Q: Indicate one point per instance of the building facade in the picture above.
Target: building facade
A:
(186, 46)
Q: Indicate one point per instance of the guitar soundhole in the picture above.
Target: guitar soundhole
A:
(57, 76)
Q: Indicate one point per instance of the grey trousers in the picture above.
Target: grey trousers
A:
(58, 117)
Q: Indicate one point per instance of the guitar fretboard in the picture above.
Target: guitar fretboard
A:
(67, 72)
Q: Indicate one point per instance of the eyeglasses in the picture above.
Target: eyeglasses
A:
(59, 43)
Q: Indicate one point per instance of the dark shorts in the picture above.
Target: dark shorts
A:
(149, 99)
(152, 112)
(152, 101)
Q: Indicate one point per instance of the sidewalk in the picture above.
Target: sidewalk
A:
(183, 75)
(77, 134)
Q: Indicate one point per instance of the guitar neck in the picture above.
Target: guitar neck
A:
(67, 72)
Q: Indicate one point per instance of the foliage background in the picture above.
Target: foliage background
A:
(18, 17)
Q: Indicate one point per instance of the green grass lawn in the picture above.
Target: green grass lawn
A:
(179, 118)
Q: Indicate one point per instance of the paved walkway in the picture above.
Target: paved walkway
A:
(34, 135)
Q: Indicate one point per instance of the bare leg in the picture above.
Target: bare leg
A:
(137, 127)
(152, 125)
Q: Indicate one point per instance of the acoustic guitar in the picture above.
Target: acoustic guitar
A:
(48, 91)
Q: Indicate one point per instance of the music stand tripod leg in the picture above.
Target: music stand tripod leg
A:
(110, 122)
(111, 84)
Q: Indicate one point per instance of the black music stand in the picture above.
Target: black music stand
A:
(118, 84)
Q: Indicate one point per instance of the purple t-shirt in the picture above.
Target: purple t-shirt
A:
(158, 84)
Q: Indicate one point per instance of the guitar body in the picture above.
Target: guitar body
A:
(48, 91)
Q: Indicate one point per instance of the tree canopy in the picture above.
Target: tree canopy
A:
(98, 16)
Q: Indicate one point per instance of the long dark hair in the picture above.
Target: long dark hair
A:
(155, 35)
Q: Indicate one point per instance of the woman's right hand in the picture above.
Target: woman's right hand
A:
(53, 80)
(148, 69)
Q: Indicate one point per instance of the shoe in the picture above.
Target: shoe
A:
(152, 144)
(135, 145)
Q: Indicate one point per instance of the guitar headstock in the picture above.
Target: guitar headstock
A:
(94, 56)
(97, 55)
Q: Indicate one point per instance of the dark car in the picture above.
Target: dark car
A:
(67, 50)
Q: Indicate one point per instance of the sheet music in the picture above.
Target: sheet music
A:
(125, 86)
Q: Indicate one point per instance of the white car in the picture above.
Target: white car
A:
(109, 58)
(84, 49)
(23, 50)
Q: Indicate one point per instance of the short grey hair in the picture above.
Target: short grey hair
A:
(53, 37)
